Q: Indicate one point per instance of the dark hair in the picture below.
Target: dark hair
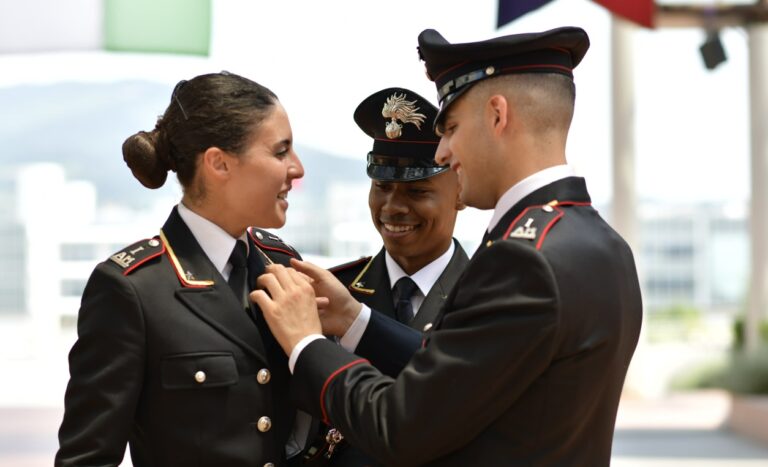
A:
(219, 109)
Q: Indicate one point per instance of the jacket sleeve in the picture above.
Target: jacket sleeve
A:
(106, 367)
(497, 336)
(388, 344)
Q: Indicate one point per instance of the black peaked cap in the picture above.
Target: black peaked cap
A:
(456, 67)
(404, 143)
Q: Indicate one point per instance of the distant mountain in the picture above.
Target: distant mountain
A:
(83, 125)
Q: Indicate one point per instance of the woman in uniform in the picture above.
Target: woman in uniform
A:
(171, 357)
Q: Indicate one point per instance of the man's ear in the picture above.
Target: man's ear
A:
(216, 163)
(497, 106)
(460, 204)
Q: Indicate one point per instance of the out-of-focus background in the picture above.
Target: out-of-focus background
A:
(670, 132)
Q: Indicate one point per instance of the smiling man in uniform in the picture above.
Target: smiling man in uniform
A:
(414, 203)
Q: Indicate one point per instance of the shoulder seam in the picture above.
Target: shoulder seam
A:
(351, 264)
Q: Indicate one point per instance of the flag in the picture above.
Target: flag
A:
(510, 10)
(170, 26)
(637, 11)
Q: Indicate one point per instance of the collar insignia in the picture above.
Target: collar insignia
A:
(525, 231)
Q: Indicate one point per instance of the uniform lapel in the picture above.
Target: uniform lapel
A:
(215, 303)
(376, 278)
(433, 302)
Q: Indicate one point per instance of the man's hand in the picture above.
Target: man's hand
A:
(342, 309)
(290, 308)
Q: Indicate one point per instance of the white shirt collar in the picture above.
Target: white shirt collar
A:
(425, 277)
(216, 243)
(527, 186)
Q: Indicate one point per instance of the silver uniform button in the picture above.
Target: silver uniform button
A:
(547, 208)
(263, 376)
(427, 327)
(269, 464)
(153, 243)
(200, 376)
(259, 235)
(264, 424)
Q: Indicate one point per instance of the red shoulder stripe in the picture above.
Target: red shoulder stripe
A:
(560, 214)
(144, 260)
(328, 381)
(271, 248)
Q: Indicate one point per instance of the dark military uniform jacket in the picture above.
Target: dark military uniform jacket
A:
(526, 362)
(168, 360)
(368, 281)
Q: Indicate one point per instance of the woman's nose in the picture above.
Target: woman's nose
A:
(296, 169)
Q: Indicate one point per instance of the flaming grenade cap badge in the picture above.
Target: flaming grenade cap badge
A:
(397, 108)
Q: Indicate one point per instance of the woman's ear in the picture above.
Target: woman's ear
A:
(216, 163)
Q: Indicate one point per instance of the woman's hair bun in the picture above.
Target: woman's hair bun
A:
(140, 152)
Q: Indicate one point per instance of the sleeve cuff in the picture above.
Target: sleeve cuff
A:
(354, 334)
(300, 346)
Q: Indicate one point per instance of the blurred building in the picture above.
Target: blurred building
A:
(54, 234)
(54, 231)
(695, 255)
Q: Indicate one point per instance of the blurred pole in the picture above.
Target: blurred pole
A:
(623, 119)
(758, 113)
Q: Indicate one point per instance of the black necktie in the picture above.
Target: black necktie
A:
(239, 273)
(402, 292)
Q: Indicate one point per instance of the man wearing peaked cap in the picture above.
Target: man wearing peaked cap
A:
(414, 203)
(455, 68)
(401, 124)
(525, 364)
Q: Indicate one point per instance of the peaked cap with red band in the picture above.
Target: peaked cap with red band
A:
(401, 124)
(456, 67)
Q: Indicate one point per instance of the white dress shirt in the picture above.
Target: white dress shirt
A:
(424, 278)
(527, 186)
(216, 243)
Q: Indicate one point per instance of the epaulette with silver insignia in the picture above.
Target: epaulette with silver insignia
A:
(533, 224)
(269, 241)
(133, 256)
